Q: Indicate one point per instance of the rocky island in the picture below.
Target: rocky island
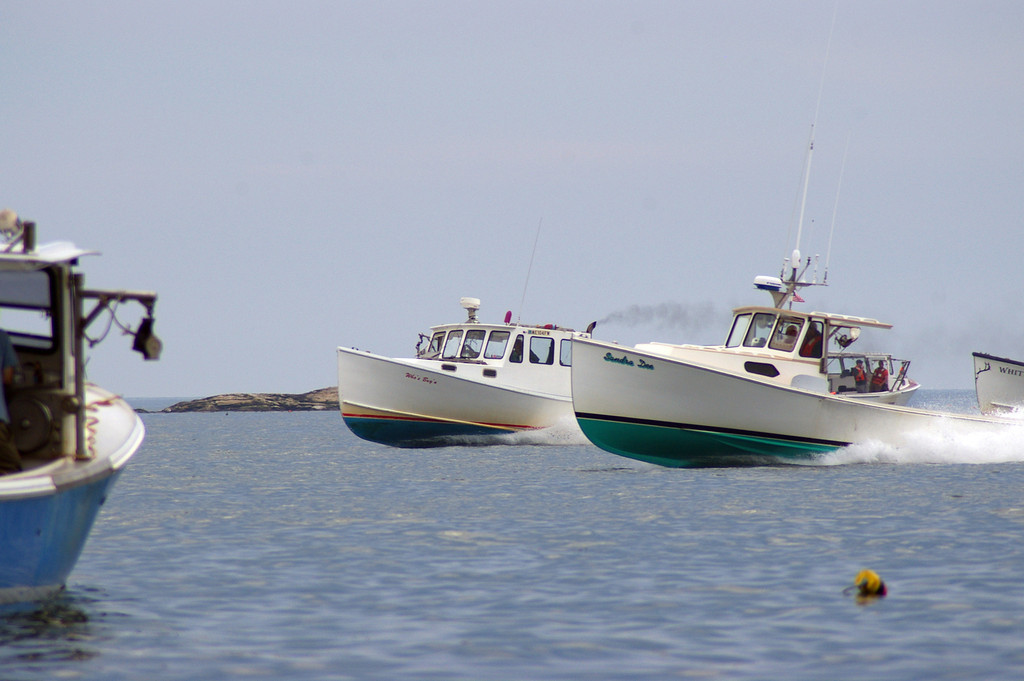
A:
(315, 400)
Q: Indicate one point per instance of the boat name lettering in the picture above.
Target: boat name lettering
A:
(625, 360)
(424, 379)
(538, 332)
(608, 357)
(1011, 372)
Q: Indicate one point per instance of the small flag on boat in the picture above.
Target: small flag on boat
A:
(798, 299)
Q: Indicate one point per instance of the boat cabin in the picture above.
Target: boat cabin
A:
(508, 343)
(797, 335)
(36, 313)
(516, 344)
(42, 299)
(791, 336)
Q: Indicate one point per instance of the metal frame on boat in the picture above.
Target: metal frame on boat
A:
(74, 438)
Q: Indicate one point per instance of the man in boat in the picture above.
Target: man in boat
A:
(788, 341)
(812, 342)
(860, 377)
(880, 379)
(10, 459)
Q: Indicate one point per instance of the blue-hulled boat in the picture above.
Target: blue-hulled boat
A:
(74, 438)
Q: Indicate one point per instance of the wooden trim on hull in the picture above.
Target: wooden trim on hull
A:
(353, 410)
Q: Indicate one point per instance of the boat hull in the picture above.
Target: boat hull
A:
(46, 513)
(675, 413)
(404, 403)
(998, 383)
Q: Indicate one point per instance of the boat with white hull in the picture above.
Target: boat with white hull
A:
(998, 383)
(676, 412)
(472, 383)
(73, 438)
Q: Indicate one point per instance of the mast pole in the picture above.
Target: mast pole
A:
(529, 269)
(795, 263)
(835, 210)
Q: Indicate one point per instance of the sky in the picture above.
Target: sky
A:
(295, 176)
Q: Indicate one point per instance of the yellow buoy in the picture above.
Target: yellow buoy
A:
(868, 584)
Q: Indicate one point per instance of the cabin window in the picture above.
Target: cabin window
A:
(27, 316)
(451, 346)
(565, 352)
(813, 343)
(474, 344)
(542, 350)
(760, 328)
(496, 345)
(786, 333)
(739, 328)
(761, 369)
(436, 343)
(517, 350)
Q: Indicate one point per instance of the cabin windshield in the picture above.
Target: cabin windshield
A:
(451, 346)
(760, 329)
(496, 345)
(26, 309)
(786, 333)
(473, 345)
(739, 329)
(436, 343)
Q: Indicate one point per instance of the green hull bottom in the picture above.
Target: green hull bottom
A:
(687, 446)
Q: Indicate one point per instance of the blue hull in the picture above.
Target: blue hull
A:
(41, 537)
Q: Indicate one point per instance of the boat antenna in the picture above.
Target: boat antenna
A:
(529, 269)
(794, 274)
(810, 144)
(835, 211)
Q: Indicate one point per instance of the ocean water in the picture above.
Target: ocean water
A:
(279, 546)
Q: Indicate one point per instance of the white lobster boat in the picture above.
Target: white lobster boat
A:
(744, 404)
(756, 399)
(780, 386)
(998, 383)
(74, 438)
(472, 382)
(676, 412)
